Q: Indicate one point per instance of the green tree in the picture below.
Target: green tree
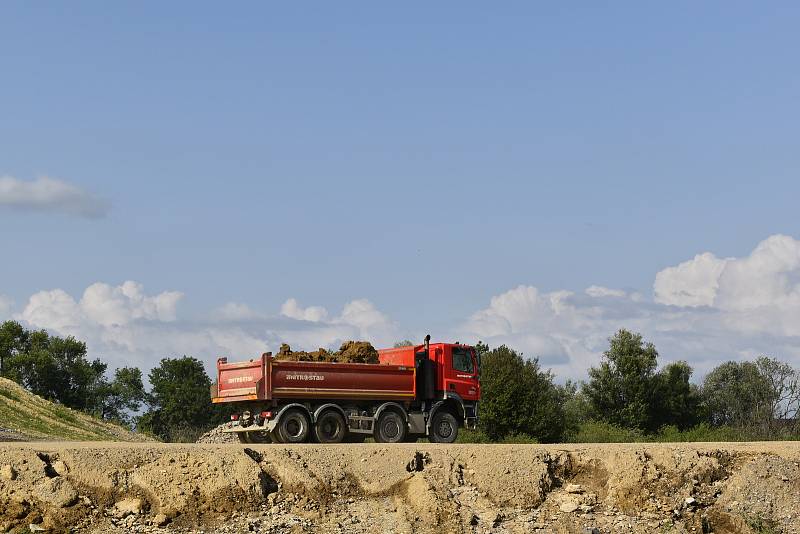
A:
(179, 400)
(519, 398)
(13, 341)
(784, 388)
(57, 369)
(763, 395)
(676, 401)
(577, 408)
(736, 394)
(620, 390)
(404, 343)
(123, 396)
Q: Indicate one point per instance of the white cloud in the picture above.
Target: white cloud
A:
(691, 283)
(5, 306)
(54, 309)
(235, 311)
(126, 326)
(600, 291)
(101, 306)
(705, 310)
(363, 314)
(107, 306)
(292, 309)
(768, 277)
(50, 194)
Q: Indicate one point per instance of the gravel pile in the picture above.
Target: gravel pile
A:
(216, 435)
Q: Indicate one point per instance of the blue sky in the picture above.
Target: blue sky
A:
(421, 158)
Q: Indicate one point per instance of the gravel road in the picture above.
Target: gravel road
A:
(585, 489)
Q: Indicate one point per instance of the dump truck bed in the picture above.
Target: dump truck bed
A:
(267, 379)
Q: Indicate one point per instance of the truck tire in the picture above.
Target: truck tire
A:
(254, 437)
(293, 426)
(390, 428)
(444, 428)
(330, 427)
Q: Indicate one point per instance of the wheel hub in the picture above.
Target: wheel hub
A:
(445, 429)
(391, 429)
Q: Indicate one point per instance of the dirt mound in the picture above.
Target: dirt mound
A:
(26, 417)
(349, 352)
(216, 435)
(676, 488)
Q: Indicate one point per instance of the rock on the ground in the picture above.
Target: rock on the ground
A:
(126, 507)
(568, 506)
(56, 491)
(8, 472)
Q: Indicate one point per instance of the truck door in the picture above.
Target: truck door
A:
(462, 373)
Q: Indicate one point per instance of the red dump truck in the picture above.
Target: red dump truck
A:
(424, 390)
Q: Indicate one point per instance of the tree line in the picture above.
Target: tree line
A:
(626, 396)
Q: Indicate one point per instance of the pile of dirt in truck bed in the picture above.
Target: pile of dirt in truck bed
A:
(556, 489)
(349, 352)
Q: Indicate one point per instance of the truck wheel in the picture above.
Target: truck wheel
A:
(444, 428)
(293, 427)
(330, 427)
(254, 437)
(390, 428)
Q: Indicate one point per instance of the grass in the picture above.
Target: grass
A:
(600, 432)
(36, 418)
(760, 525)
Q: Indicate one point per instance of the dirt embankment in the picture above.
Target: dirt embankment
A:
(25, 417)
(720, 488)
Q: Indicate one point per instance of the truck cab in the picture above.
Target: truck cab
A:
(451, 374)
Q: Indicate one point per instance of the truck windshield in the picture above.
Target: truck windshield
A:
(462, 360)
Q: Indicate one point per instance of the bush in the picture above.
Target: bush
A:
(602, 432)
(180, 405)
(699, 433)
(519, 398)
(518, 438)
(473, 436)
